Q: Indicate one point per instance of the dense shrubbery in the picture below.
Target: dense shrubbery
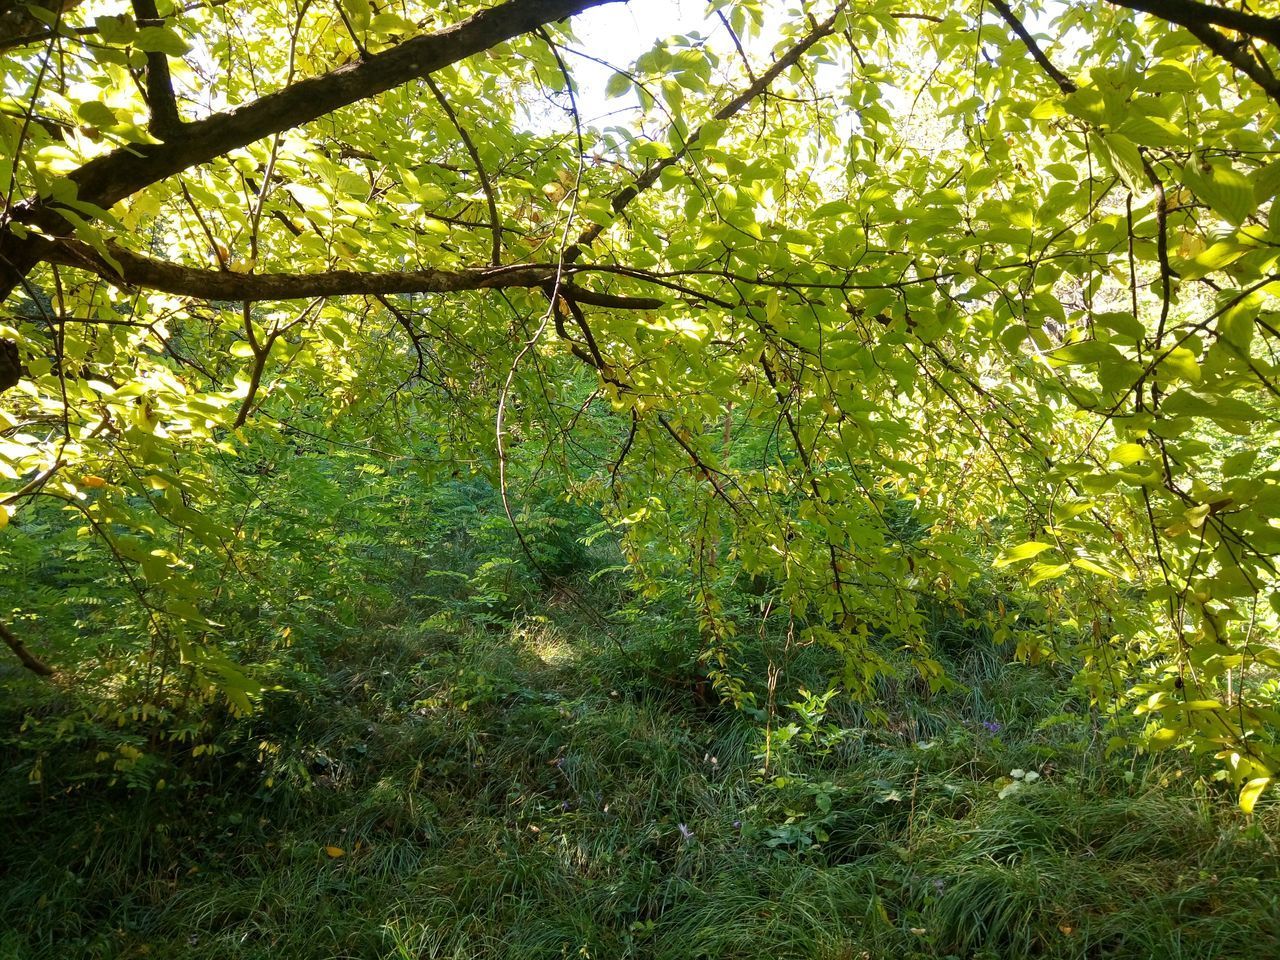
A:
(451, 756)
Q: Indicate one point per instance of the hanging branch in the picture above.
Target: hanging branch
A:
(624, 196)
(29, 659)
(494, 223)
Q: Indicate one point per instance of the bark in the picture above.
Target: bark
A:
(134, 270)
(29, 659)
(16, 19)
(1188, 13)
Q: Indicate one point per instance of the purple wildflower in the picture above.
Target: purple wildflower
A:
(991, 726)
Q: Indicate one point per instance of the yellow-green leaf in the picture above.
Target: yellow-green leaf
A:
(1252, 790)
(1127, 453)
(1023, 551)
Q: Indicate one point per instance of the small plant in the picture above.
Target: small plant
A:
(1017, 780)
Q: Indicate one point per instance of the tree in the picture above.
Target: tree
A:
(955, 279)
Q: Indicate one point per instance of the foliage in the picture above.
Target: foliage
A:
(877, 309)
(474, 791)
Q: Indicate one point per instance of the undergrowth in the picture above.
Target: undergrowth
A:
(453, 787)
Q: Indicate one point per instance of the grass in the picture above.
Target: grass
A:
(476, 793)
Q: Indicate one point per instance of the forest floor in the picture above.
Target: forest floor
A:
(470, 790)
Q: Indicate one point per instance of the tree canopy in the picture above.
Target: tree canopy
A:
(875, 302)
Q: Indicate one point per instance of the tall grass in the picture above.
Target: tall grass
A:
(478, 793)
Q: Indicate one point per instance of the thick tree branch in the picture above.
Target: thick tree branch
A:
(1195, 18)
(1239, 56)
(135, 270)
(1199, 20)
(17, 21)
(165, 121)
(123, 172)
(10, 39)
(1189, 14)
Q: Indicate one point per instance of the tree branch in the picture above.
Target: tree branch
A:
(494, 223)
(1189, 14)
(1239, 56)
(29, 659)
(165, 121)
(17, 21)
(1058, 77)
(123, 172)
(1198, 19)
(134, 270)
(647, 179)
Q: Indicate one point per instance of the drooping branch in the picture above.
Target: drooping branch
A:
(495, 224)
(123, 172)
(29, 659)
(134, 270)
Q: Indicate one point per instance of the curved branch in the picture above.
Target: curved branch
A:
(123, 172)
(647, 179)
(495, 224)
(1199, 20)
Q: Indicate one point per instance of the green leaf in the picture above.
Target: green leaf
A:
(1041, 572)
(1086, 352)
(1266, 182)
(1164, 738)
(1084, 563)
(1223, 188)
(1126, 160)
(618, 84)
(1181, 362)
(1127, 453)
(1152, 131)
(1023, 551)
(359, 12)
(116, 30)
(161, 40)
(96, 113)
